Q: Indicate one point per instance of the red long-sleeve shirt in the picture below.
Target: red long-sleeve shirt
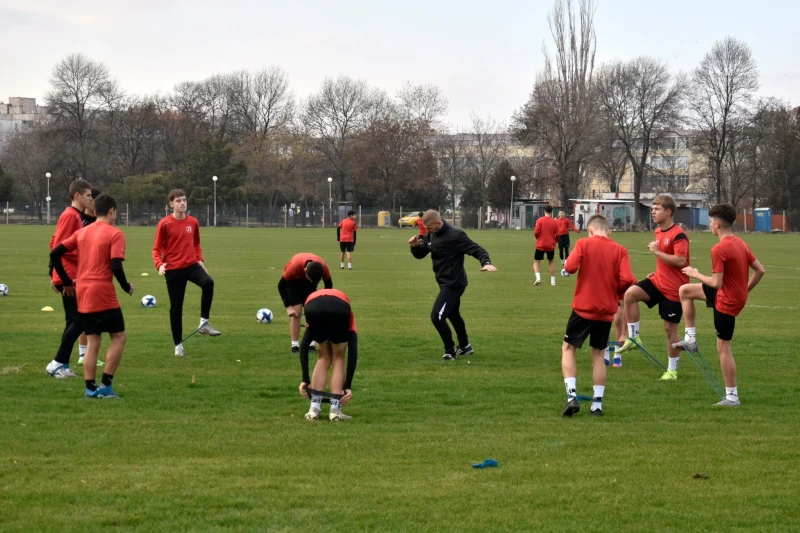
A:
(296, 267)
(177, 243)
(605, 275)
(69, 222)
(546, 233)
(564, 225)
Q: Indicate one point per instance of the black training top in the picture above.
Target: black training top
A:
(448, 247)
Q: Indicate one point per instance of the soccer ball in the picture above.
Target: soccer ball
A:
(3, 290)
(564, 273)
(264, 316)
(148, 300)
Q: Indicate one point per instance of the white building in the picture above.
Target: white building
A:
(16, 114)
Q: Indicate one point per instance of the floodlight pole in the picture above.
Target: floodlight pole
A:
(48, 197)
(214, 179)
(511, 211)
(330, 201)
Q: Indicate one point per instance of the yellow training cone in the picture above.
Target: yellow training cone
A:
(144, 274)
(47, 308)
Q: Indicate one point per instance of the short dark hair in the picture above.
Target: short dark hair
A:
(96, 192)
(420, 214)
(314, 271)
(175, 193)
(103, 204)
(724, 213)
(351, 213)
(548, 209)
(78, 187)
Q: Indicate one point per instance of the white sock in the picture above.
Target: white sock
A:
(81, 350)
(313, 343)
(673, 363)
(538, 276)
(295, 343)
(732, 393)
(570, 385)
(349, 265)
(203, 321)
(599, 390)
(316, 402)
(606, 354)
(336, 405)
(691, 333)
(342, 265)
(633, 329)
(553, 280)
(615, 354)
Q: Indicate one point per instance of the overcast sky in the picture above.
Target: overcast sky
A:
(483, 55)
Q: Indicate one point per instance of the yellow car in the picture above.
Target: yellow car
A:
(409, 219)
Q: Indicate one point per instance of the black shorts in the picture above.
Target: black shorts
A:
(578, 328)
(723, 324)
(328, 319)
(347, 246)
(670, 310)
(563, 241)
(110, 321)
(539, 254)
(297, 292)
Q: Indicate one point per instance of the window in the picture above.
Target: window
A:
(665, 144)
(682, 143)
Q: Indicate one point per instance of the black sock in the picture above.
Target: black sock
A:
(90, 385)
(107, 379)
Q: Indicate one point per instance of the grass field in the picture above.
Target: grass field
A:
(216, 441)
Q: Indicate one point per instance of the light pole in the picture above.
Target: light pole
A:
(215, 200)
(511, 211)
(330, 201)
(48, 197)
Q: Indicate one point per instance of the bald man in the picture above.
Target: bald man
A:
(448, 246)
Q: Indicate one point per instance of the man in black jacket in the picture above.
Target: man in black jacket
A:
(448, 246)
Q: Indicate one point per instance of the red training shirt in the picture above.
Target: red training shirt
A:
(349, 227)
(668, 279)
(69, 222)
(96, 245)
(335, 294)
(546, 233)
(733, 258)
(177, 243)
(605, 275)
(564, 225)
(420, 226)
(296, 267)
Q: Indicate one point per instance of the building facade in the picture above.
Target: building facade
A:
(17, 114)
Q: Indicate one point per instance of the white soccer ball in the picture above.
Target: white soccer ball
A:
(3, 289)
(148, 300)
(264, 316)
(564, 273)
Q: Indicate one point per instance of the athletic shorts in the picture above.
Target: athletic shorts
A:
(579, 328)
(723, 324)
(297, 292)
(563, 241)
(328, 319)
(539, 254)
(347, 246)
(110, 321)
(670, 310)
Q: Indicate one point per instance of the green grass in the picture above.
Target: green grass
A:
(216, 441)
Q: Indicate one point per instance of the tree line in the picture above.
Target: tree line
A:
(581, 123)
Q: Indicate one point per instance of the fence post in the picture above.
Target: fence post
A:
(247, 216)
(745, 220)
(208, 215)
(784, 216)
(285, 216)
(784, 220)
(127, 216)
(359, 218)
(323, 216)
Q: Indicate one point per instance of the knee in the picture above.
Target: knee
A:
(435, 318)
(208, 283)
(670, 328)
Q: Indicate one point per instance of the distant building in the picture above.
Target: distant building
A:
(17, 114)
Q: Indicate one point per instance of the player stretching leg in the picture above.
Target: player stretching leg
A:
(725, 291)
(332, 325)
(605, 274)
(179, 258)
(671, 249)
(301, 275)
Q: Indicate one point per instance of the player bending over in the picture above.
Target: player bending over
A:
(301, 275)
(605, 274)
(332, 325)
(101, 251)
(346, 235)
(671, 249)
(725, 290)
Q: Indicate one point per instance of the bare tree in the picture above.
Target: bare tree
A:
(560, 117)
(81, 90)
(489, 149)
(641, 102)
(28, 157)
(610, 160)
(261, 101)
(450, 152)
(721, 96)
(424, 104)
